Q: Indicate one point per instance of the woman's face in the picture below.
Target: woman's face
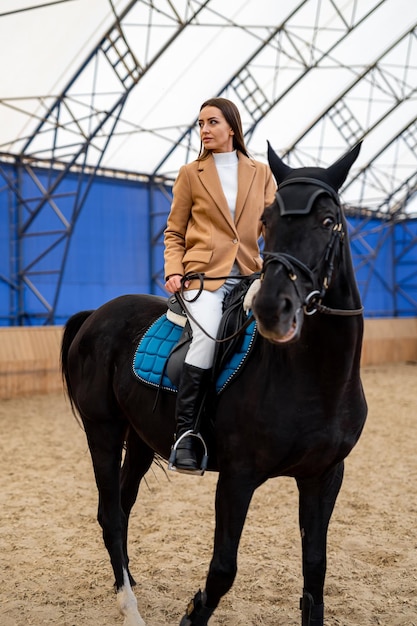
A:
(215, 133)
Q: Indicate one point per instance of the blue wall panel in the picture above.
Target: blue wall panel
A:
(109, 250)
(385, 260)
(373, 262)
(117, 241)
(6, 289)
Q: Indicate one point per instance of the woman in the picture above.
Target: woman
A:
(213, 228)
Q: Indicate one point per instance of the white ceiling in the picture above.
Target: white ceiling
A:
(44, 44)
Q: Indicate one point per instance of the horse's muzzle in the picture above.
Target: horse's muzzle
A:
(278, 324)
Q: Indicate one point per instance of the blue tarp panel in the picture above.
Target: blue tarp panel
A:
(6, 254)
(375, 277)
(385, 260)
(111, 251)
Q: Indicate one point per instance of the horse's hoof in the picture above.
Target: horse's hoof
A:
(312, 614)
(198, 614)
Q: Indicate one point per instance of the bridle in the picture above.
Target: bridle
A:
(312, 303)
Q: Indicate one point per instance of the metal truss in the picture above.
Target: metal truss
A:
(75, 129)
(384, 189)
(381, 190)
(281, 61)
(379, 185)
(73, 132)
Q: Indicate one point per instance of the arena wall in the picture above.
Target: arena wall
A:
(116, 248)
(29, 360)
(390, 340)
(29, 356)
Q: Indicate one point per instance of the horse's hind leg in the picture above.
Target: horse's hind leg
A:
(317, 500)
(137, 461)
(233, 497)
(105, 440)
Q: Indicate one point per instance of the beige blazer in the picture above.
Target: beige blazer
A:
(201, 235)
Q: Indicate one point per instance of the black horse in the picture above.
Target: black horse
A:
(296, 409)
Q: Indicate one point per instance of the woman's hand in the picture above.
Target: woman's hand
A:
(173, 283)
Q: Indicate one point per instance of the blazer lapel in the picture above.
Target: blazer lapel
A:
(245, 175)
(210, 179)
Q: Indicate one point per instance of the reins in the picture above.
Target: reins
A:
(201, 278)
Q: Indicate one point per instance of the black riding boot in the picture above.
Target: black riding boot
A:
(191, 393)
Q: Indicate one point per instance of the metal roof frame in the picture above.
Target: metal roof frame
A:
(74, 129)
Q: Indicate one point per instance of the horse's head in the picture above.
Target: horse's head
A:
(303, 232)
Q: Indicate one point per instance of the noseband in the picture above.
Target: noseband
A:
(313, 301)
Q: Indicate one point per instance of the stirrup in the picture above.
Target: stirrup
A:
(173, 456)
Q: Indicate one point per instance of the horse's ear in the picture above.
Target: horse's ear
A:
(338, 172)
(278, 167)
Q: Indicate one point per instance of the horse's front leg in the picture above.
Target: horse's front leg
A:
(233, 496)
(105, 440)
(317, 500)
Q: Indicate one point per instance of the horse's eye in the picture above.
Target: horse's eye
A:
(328, 222)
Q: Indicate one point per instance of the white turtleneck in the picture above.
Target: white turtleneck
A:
(226, 164)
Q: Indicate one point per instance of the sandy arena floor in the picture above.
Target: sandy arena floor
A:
(54, 568)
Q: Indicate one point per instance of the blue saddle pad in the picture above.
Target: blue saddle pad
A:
(156, 344)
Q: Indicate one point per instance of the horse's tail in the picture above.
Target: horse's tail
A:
(70, 330)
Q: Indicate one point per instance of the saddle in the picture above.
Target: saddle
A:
(160, 355)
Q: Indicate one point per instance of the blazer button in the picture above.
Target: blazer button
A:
(234, 240)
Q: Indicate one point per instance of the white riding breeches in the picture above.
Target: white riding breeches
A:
(207, 310)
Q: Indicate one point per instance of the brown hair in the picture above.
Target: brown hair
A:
(232, 117)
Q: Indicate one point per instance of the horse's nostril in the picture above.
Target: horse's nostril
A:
(287, 308)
